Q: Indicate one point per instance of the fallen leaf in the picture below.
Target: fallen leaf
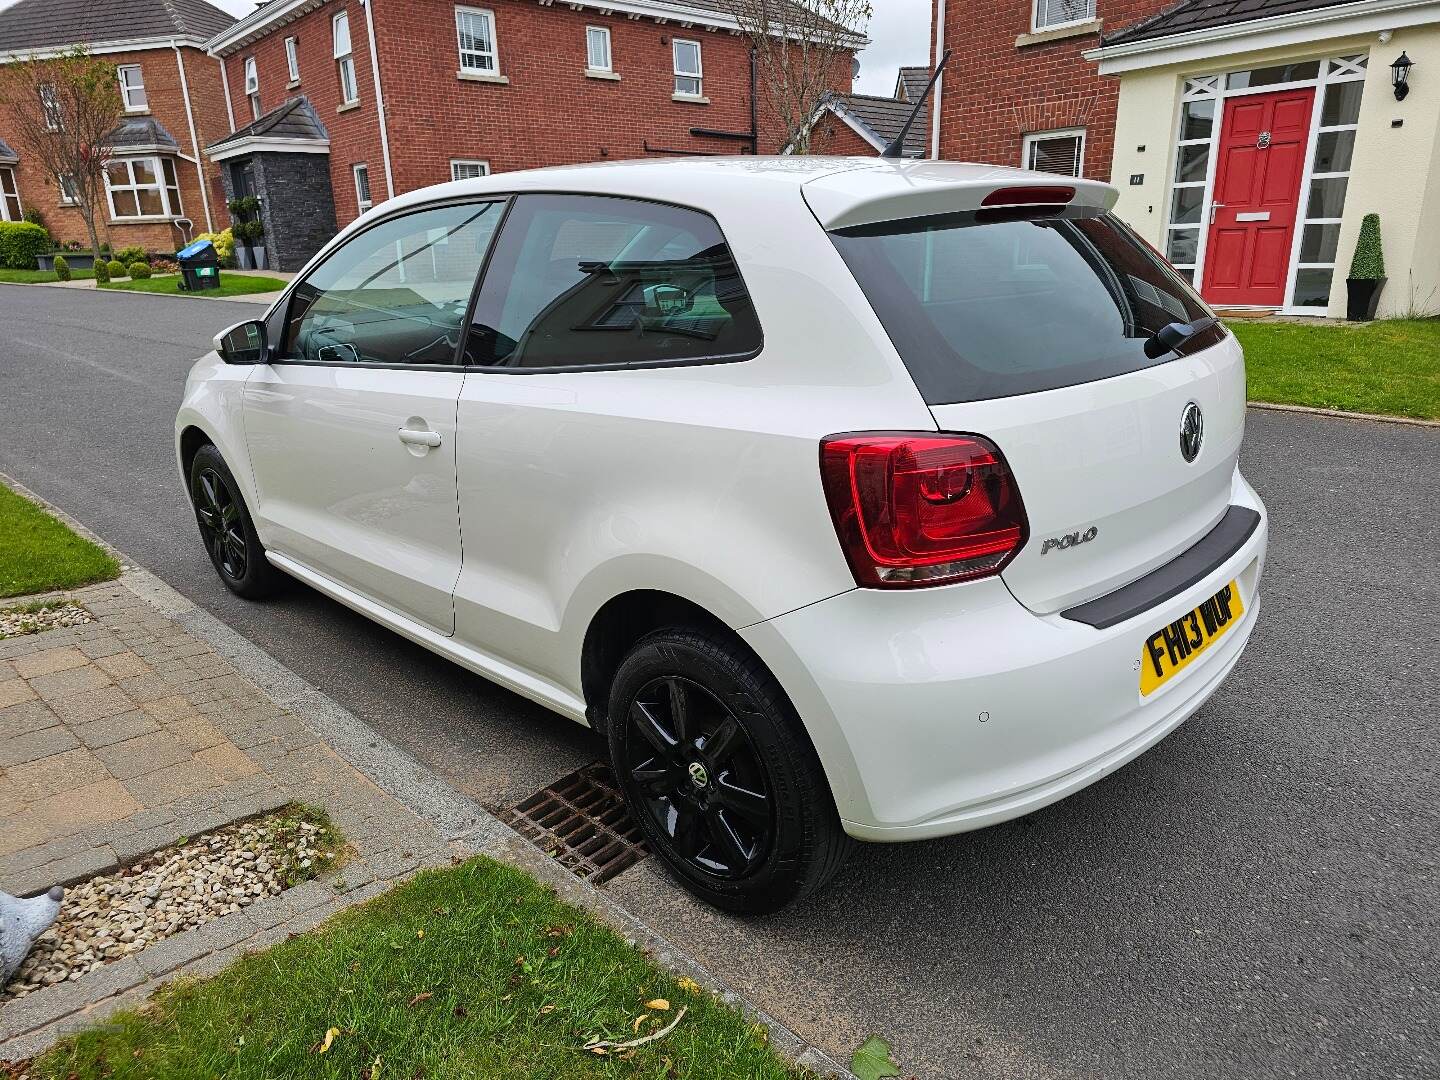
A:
(419, 933)
(635, 1027)
(329, 1038)
(459, 1010)
(872, 1060)
(546, 1009)
(690, 986)
(599, 1050)
(659, 1005)
(418, 998)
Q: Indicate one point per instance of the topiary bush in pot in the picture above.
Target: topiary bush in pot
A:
(1367, 272)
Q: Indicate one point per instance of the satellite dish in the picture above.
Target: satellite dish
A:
(854, 69)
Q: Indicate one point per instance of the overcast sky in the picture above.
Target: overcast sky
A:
(899, 34)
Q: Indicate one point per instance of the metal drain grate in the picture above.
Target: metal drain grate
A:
(582, 822)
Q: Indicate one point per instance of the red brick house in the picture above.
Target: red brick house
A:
(160, 187)
(397, 96)
(1019, 91)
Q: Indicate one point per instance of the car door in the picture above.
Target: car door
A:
(351, 428)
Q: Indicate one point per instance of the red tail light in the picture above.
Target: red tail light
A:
(913, 510)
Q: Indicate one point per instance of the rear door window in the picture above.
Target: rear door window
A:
(983, 308)
(594, 281)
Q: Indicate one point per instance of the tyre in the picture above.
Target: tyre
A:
(226, 528)
(719, 774)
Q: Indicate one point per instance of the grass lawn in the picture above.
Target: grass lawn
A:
(38, 554)
(230, 285)
(473, 972)
(1390, 366)
(38, 277)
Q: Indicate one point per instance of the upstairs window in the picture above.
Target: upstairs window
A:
(143, 187)
(597, 48)
(475, 29)
(50, 102)
(9, 196)
(252, 87)
(1052, 13)
(1061, 152)
(69, 194)
(344, 61)
(292, 58)
(132, 88)
(689, 78)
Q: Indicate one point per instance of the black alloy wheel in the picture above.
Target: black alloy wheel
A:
(222, 523)
(700, 777)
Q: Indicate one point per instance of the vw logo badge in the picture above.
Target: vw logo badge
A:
(1192, 432)
(698, 774)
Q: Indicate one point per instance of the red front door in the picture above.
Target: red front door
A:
(1257, 195)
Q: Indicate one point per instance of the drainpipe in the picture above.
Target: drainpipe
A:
(225, 85)
(940, 82)
(379, 98)
(194, 139)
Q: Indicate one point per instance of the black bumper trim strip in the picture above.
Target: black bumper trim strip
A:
(1181, 572)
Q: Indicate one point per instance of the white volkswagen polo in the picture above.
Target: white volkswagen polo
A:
(846, 498)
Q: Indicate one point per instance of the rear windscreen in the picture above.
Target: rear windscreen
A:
(991, 308)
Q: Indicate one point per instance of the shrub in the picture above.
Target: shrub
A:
(132, 254)
(34, 216)
(224, 245)
(1369, 261)
(20, 242)
(62, 268)
(163, 266)
(116, 268)
(102, 272)
(140, 270)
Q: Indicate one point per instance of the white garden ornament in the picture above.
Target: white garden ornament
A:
(21, 922)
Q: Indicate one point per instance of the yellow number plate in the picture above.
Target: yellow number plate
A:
(1170, 648)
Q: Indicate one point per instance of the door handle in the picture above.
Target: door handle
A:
(411, 437)
(1213, 207)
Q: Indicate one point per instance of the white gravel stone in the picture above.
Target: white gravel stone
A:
(167, 892)
(33, 618)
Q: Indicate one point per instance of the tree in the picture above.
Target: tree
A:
(63, 112)
(802, 48)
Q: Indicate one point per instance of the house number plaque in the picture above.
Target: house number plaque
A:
(1263, 143)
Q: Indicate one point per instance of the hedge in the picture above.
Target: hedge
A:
(20, 242)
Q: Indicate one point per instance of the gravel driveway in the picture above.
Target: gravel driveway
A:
(1256, 897)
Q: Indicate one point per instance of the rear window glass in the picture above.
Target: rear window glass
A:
(984, 309)
(586, 281)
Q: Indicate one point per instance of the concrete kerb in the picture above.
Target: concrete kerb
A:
(468, 827)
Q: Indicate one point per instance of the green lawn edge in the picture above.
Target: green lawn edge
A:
(474, 971)
(41, 554)
(169, 285)
(1390, 367)
(39, 277)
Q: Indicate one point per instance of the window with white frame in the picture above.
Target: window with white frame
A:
(362, 188)
(1052, 13)
(144, 187)
(252, 87)
(1199, 127)
(132, 88)
(344, 60)
(9, 196)
(468, 170)
(475, 33)
(50, 103)
(1324, 203)
(689, 76)
(69, 194)
(1060, 152)
(292, 58)
(597, 48)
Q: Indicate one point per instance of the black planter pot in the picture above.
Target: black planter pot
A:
(1364, 297)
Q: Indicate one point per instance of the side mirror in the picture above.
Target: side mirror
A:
(243, 343)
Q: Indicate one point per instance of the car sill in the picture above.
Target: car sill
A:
(497, 671)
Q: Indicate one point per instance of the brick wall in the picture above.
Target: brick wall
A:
(834, 136)
(996, 91)
(167, 105)
(548, 113)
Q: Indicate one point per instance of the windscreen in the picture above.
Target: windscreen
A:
(981, 305)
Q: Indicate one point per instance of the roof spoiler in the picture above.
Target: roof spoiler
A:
(923, 189)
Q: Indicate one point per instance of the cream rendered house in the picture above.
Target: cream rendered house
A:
(1253, 136)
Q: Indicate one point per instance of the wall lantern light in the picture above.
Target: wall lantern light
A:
(1400, 76)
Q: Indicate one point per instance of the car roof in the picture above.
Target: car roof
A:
(842, 191)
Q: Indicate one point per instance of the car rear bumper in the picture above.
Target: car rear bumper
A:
(941, 710)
